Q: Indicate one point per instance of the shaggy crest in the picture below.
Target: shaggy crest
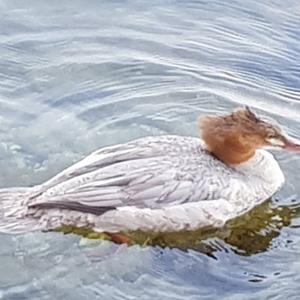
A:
(234, 138)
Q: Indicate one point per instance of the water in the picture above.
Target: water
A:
(79, 75)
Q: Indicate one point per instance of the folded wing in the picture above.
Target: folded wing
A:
(139, 174)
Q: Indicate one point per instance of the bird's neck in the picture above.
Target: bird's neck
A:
(226, 142)
(229, 149)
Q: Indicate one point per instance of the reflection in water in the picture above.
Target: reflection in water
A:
(249, 234)
(82, 75)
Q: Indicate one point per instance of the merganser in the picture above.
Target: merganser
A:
(159, 184)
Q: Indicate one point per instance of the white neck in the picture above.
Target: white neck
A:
(263, 173)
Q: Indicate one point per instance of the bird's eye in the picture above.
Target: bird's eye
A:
(271, 135)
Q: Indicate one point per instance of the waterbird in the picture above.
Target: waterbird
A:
(163, 183)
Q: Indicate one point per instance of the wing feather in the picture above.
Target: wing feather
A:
(139, 174)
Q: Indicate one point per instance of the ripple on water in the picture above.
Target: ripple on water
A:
(75, 77)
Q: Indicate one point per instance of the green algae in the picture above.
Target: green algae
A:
(248, 234)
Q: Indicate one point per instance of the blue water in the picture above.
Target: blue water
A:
(79, 75)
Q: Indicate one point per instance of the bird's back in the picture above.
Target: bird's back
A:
(147, 173)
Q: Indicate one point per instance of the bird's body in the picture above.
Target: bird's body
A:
(161, 184)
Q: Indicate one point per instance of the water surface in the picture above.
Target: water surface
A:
(79, 75)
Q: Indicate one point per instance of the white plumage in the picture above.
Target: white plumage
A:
(166, 183)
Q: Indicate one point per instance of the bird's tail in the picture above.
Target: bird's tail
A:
(13, 208)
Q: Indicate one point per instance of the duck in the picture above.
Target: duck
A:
(162, 184)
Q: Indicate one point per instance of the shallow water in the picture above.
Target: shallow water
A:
(78, 75)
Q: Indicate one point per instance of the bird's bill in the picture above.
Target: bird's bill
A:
(291, 145)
